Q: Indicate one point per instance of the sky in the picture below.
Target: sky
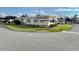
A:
(55, 11)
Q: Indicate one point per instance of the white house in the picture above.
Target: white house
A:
(76, 20)
(39, 21)
(61, 20)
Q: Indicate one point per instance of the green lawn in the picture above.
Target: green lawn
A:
(61, 28)
(23, 28)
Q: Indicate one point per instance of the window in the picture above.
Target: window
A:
(28, 20)
(42, 21)
(35, 20)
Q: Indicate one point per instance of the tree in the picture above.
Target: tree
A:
(7, 18)
(67, 20)
(10, 17)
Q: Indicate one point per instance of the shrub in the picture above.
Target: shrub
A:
(53, 25)
(17, 22)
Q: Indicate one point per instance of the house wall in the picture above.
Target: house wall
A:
(42, 22)
(32, 22)
(61, 21)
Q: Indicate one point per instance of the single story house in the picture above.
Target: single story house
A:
(39, 21)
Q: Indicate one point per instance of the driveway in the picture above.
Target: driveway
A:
(30, 41)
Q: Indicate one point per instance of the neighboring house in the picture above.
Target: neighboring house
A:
(61, 20)
(39, 21)
(1, 19)
(11, 20)
(75, 20)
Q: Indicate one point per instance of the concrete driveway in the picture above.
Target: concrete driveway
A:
(30, 41)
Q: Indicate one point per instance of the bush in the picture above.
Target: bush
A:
(17, 22)
(53, 25)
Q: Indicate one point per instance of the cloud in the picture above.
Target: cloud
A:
(19, 14)
(31, 14)
(3, 14)
(67, 9)
(36, 11)
(40, 12)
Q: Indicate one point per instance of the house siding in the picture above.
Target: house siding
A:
(38, 21)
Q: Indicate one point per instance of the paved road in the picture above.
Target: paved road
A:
(28, 41)
(75, 28)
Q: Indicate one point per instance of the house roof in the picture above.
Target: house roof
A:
(43, 17)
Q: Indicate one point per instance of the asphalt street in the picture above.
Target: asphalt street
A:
(31, 41)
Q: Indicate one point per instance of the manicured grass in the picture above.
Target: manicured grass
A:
(23, 28)
(61, 28)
